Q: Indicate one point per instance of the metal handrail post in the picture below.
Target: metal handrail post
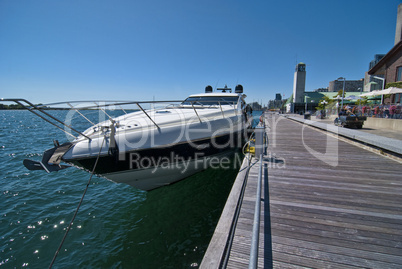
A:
(47, 120)
(192, 104)
(259, 141)
(82, 115)
(223, 115)
(104, 111)
(147, 115)
(18, 101)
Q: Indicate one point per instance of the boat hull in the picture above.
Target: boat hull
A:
(147, 169)
(165, 174)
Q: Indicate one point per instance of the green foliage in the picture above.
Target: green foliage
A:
(12, 106)
(340, 93)
(393, 84)
(363, 101)
(284, 103)
(328, 101)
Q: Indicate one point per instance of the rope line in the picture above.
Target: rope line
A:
(78, 207)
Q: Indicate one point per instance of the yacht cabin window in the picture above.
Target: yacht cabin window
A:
(211, 100)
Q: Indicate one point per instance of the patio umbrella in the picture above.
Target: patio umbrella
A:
(353, 98)
(395, 90)
(373, 93)
(391, 90)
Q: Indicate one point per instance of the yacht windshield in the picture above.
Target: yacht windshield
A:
(211, 100)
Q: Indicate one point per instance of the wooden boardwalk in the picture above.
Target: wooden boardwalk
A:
(325, 204)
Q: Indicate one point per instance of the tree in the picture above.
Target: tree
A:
(340, 93)
(362, 101)
(325, 99)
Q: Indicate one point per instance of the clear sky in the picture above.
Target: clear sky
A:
(167, 49)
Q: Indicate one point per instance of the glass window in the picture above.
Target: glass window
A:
(211, 100)
(399, 75)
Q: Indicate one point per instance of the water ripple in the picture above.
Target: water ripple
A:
(117, 225)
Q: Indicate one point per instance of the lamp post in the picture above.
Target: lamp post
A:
(383, 85)
(383, 81)
(343, 90)
(305, 109)
(325, 113)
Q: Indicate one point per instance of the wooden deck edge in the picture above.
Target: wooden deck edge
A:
(216, 248)
(388, 144)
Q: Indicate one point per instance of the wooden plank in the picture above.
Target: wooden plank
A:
(323, 216)
(345, 213)
(216, 248)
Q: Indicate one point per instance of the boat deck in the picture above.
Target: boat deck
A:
(325, 203)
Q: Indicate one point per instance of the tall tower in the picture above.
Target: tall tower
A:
(299, 83)
(398, 30)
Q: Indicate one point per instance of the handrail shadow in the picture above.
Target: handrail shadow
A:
(268, 261)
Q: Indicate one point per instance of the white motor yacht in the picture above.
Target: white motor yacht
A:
(151, 148)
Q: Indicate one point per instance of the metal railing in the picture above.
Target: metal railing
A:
(40, 110)
(260, 149)
(33, 108)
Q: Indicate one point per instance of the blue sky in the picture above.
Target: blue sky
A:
(140, 50)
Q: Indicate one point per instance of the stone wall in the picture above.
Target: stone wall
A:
(386, 124)
(379, 123)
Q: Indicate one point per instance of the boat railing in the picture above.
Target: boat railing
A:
(106, 107)
(43, 111)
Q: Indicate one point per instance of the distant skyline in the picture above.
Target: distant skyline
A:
(142, 50)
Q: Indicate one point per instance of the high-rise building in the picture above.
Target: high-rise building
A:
(278, 97)
(376, 59)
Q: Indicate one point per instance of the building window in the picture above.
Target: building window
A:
(399, 75)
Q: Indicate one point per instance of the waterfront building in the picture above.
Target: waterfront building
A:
(389, 68)
(350, 85)
(321, 90)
